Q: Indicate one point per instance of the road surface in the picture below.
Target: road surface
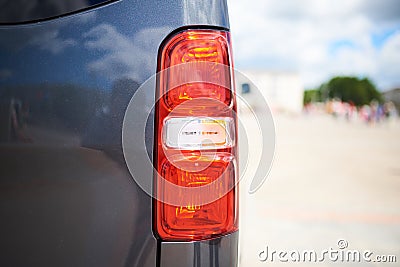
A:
(331, 180)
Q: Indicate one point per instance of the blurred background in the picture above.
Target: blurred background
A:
(330, 72)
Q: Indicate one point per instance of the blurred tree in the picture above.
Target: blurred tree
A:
(312, 95)
(348, 89)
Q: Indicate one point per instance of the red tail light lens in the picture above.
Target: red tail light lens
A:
(195, 138)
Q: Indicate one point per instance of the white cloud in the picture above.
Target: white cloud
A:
(51, 41)
(389, 59)
(305, 36)
(46, 38)
(125, 56)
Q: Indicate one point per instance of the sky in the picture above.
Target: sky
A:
(319, 39)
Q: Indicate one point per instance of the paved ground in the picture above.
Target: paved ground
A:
(331, 180)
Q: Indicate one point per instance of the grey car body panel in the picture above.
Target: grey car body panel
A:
(66, 195)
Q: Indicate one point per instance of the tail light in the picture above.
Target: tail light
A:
(195, 149)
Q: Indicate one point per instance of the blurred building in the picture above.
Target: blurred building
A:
(282, 90)
(393, 96)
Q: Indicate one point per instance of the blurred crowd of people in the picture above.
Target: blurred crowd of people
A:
(369, 114)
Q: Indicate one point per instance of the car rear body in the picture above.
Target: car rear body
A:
(67, 197)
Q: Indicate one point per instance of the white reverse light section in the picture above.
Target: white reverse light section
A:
(198, 133)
